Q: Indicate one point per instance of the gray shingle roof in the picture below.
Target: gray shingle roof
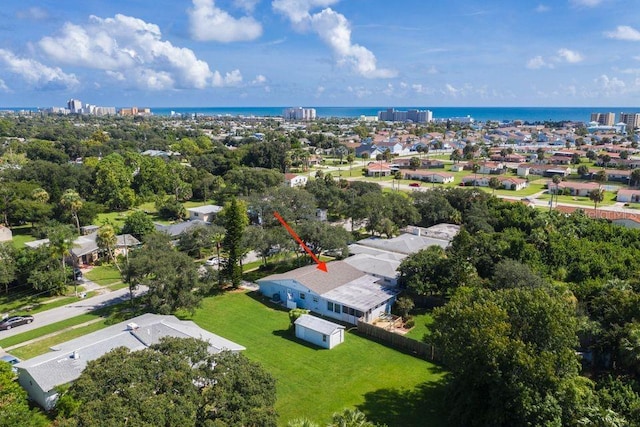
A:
(374, 265)
(362, 294)
(338, 273)
(177, 229)
(317, 324)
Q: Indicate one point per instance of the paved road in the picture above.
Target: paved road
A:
(71, 310)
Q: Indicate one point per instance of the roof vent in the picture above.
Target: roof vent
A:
(132, 326)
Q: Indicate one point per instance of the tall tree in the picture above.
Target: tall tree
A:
(60, 244)
(106, 240)
(174, 383)
(138, 224)
(171, 276)
(71, 200)
(235, 220)
(14, 405)
(7, 265)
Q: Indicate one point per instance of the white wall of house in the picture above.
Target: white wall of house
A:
(46, 399)
(319, 339)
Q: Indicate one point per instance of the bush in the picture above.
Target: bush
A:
(410, 323)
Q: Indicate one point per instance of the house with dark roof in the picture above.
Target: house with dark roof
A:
(342, 292)
(177, 229)
(41, 375)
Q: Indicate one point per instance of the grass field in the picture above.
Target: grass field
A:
(422, 320)
(390, 387)
(103, 275)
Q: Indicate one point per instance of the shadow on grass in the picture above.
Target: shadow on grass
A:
(288, 334)
(421, 406)
(256, 295)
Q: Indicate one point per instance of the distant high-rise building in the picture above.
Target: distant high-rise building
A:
(299, 113)
(604, 119)
(75, 106)
(416, 116)
(632, 120)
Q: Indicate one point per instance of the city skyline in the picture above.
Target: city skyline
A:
(320, 53)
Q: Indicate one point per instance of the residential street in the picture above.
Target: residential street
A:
(71, 310)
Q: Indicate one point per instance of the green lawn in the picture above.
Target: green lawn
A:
(389, 386)
(423, 320)
(103, 275)
(21, 235)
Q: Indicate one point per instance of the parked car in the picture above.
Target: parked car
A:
(414, 184)
(12, 322)
(213, 261)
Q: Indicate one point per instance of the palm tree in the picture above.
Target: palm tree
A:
(596, 195)
(71, 199)
(40, 195)
(494, 183)
(350, 418)
(106, 240)
(216, 239)
(301, 422)
(556, 181)
(61, 243)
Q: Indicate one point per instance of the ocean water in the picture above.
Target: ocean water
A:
(483, 114)
(501, 114)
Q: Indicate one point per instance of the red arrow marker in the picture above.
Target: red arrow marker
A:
(321, 265)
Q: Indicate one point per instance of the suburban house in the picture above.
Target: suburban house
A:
(5, 234)
(318, 331)
(295, 180)
(581, 189)
(514, 183)
(428, 176)
(410, 242)
(378, 169)
(41, 375)
(85, 250)
(380, 266)
(342, 292)
(204, 213)
(628, 196)
(475, 180)
(491, 168)
(177, 229)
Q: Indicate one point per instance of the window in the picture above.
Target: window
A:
(315, 299)
(324, 338)
(302, 295)
(329, 306)
(195, 214)
(336, 308)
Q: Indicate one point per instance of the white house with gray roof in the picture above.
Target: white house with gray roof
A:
(205, 213)
(343, 292)
(64, 363)
(319, 331)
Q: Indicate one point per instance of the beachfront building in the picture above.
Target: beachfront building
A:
(415, 116)
(604, 119)
(299, 113)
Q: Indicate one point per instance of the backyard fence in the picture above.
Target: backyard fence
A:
(400, 342)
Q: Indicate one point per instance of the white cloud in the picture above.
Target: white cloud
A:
(335, 30)
(450, 90)
(586, 3)
(210, 23)
(234, 78)
(536, 63)
(610, 85)
(259, 80)
(570, 56)
(624, 32)
(37, 74)
(248, 5)
(359, 92)
(3, 86)
(541, 8)
(34, 13)
(298, 10)
(320, 90)
(133, 48)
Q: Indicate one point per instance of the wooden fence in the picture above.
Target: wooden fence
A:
(400, 342)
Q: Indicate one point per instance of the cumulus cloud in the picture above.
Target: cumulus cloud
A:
(610, 85)
(537, 62)
(36, 74)
(541, 8)
(234, 78)
(131, 47)
(570, 55)
(624, 32)
(259, 80)
(335, 30)
(3, 86)
(248, 5)
(210, 23)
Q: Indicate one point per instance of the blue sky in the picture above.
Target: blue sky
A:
(320, 53)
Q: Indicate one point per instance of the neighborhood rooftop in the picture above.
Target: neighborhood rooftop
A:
(338, 273)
